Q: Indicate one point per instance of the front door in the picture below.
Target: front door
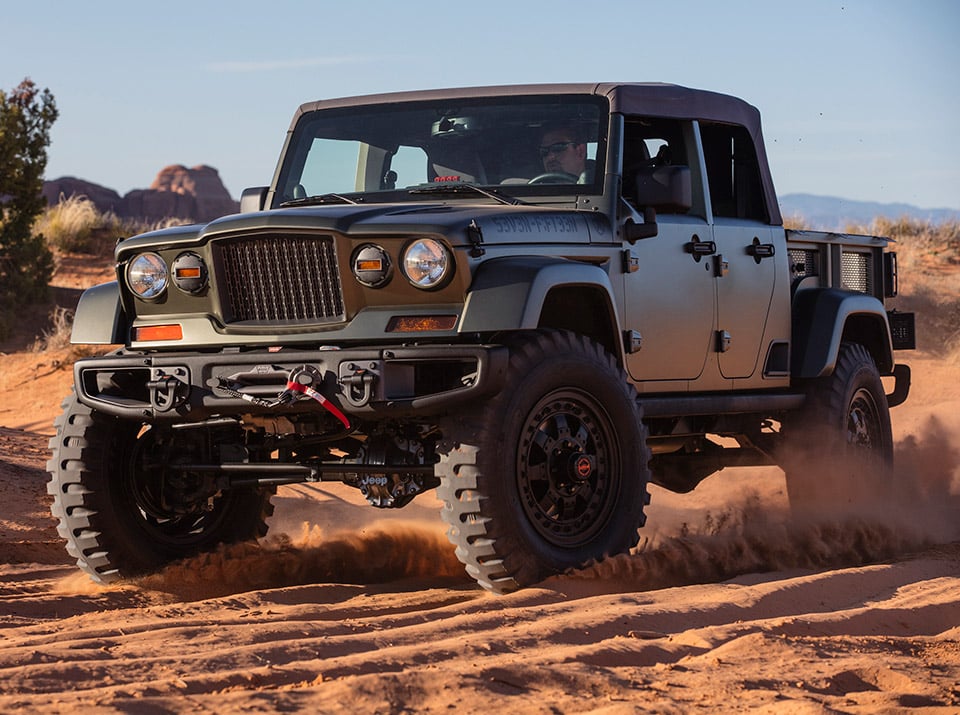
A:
(669, 300)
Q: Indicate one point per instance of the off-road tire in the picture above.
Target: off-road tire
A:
(551, 473)
(840, 446)
(104, 527)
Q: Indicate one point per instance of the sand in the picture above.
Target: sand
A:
(728, 605)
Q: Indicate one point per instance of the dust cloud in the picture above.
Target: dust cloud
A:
(918, 511)
(750, 537)
(382, 553)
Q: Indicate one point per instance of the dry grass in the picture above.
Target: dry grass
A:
(55, 338)
(928, 257)
(76, 225)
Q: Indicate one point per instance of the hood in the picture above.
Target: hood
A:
(497, 223)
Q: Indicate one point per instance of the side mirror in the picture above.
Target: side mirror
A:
(253, 199)
(659, 188)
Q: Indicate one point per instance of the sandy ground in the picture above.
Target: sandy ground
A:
(727, 606)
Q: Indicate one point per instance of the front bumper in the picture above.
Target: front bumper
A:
(366, 382)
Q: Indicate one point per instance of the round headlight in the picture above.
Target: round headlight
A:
(426, 263)
(147, 276)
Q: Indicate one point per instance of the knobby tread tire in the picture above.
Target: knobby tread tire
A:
(87, 461)
(494, 538)
(823, 469)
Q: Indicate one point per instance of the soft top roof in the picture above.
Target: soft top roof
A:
(650, 99)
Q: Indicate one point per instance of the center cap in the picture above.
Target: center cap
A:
(582, 467)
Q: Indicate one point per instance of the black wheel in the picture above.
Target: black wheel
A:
(551, 473)
(840, 447)
(122, 512)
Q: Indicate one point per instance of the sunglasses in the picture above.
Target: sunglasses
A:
(555, 148)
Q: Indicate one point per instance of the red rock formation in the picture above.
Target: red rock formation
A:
(202, 183)
(195, 194)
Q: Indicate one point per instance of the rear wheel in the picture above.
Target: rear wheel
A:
(551, 473)
(123, 512)
(841, 445)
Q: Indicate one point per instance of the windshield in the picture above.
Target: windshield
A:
(538, 146)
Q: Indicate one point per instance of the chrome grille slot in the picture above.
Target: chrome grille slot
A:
(855, 272)
(280, 278)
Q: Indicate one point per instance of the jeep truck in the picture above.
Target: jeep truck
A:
(425, 298)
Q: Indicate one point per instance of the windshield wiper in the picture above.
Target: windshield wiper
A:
(463, 187)
(319, 199)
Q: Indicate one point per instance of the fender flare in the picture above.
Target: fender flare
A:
(99, 318)
(510, 293)
(825, 317)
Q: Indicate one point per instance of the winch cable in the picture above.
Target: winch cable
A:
(294, 386)
(224, 386)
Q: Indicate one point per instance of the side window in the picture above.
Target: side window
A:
(648, 143)
(330, 167)
(408, 167)
(733, 173)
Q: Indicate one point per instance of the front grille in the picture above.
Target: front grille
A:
(280, 278)
(855, 272)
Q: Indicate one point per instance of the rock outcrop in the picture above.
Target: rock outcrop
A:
(106, 200)
(195, 194)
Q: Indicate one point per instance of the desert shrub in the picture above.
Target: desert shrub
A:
(26, 115)
(76, 225)
(72, 224)
(57, 335)
(917, 241)
(795, 222)
(56, 339)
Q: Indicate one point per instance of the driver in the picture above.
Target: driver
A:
(563, 151)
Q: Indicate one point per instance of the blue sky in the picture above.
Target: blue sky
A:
(860, 98)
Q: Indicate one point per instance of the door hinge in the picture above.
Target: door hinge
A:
(720, 266)
(723, 341)
(632, 341)
(631, 263)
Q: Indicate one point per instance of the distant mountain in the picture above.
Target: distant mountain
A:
(829, 213)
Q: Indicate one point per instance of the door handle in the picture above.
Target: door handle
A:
(699, 248)
(759, 251)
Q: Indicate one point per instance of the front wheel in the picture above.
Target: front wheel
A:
(551, 473)
(123, 512)
(840, 446)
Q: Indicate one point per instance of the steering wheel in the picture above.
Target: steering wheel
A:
(554, 177)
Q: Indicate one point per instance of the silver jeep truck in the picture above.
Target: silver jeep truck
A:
(533, 299)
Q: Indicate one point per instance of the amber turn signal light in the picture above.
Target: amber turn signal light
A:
(420, 323)
(158, 332)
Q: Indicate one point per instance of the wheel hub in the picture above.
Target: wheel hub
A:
(580, 467)
(564, 467)
(862, 421)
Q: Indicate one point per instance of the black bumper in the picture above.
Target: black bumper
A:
(369, 382)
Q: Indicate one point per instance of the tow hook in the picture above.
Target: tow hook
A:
(358, 385)
(167, 391)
